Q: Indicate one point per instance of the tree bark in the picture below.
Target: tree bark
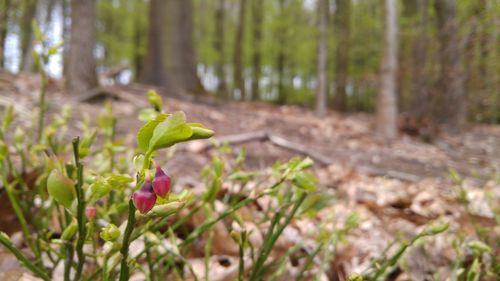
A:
(343, 26)
(321, 94)
(4, 16)
(170, 58)
(281, 59)
(386, 121)
(258, 19)
(450, 103)
(28, 15)
(219, 44)
(420, 90)
(82, 75)
(239, 81)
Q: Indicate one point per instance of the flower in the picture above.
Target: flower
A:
(161, 183)
(144, 199)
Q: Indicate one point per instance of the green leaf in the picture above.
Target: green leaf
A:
(169, 132)
(146, 132)
(200, 131)
(119, 181)
(305, 181)
(147, 114)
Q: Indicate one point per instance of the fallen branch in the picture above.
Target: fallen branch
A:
(203, 145)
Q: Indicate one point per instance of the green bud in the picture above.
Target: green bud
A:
(61, 188)
(19, 136)
(218, 166)
(155, 100)
(99, 189)
(70, 231)
(437, 228)
(110, 233)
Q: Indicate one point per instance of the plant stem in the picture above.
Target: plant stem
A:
(41, 114)
(124, 270)
(266, 249)
(20, 216)
(80, 210)
(4, 240)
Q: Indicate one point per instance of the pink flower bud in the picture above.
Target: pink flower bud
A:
(144, 199)
(161, 183)
(90, 212)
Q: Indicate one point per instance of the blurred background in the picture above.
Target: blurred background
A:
(313, 53)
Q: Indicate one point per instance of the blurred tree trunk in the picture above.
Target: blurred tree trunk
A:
(321, 94)
(386, 122)
(138, 52)
(219, 48)
(27, 17)
(281, 59)
(343, 26)
(239, 81)
(420, 91)
(48, 13)
(257, 19)
(4, 17)
(81, 74)
(170, 58)
(65, 36)
(450, 103)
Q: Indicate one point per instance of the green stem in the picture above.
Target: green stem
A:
(208, 224)
(266, 250)
(4, 240)
(80, 210)
(41, 114)
(20, 216)
(124, 269)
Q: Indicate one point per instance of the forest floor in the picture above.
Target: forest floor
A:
(395, 187)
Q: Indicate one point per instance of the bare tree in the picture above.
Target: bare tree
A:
(281, 36)
(4, 15)
(81, 74)
(239, 81)
(219, 41)
(386, 121)
(343, 26)
(450, 103)
(420, 90)
(321, 94)
(170, 59)
(29, 8)
(258, 19)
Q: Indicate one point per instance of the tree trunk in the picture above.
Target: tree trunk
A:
(170, 58)
(258, 19)
(239, 81)
(450, 103)
(321, 94)
(343, 26)
(4, 16)
(28, 15)
(219, 44)
(386, 122)
(420, 90)
(65, 36)
(281, 59)
(82, 75)
(138, 52)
